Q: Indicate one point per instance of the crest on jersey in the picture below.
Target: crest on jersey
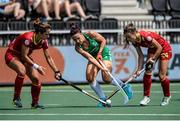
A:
(149, 38)
(26, 42)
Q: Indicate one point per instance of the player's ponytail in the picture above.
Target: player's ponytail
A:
(130, 28)
(74, 29)
(41, 25)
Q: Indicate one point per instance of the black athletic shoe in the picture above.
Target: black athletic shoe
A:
(17, 103)
(37, 106)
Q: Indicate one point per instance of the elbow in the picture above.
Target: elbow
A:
(103, 42)
(160, 49)
(90, 59)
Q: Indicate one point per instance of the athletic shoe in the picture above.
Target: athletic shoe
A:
(100, 105)
(128, 90)
(165, 101)
(37, 106)
(17, 103)
(145, 101)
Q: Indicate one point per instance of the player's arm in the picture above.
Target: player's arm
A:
(158, 49)
(151, 61)
(100, 39)
(24, 55)
(51, 63)
(140, 58)
(25, 58)
(88, 57)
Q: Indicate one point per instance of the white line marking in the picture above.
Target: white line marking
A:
(53, 105)
(75, 91)
(67, 114)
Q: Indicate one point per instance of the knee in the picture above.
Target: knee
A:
(148, 72)
(35, 80)
(77, 4)
(162, 76)
(90, 79)
(107, 79)
(22, 12)
(17, 4)
(22, 71)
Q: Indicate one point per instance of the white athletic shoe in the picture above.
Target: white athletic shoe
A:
(165, 101)
(145, 101)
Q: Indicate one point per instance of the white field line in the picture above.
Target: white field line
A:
(87, 86)
(83, 114)
(75, 91)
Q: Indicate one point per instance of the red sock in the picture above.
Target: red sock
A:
(166, 87)
(18, 86)
(147, 84)
(35, 92)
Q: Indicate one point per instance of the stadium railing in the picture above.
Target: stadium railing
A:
(170, 30)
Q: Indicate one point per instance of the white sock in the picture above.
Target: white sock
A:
(97, 89)
(120, 82)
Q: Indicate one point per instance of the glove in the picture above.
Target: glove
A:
(99, 56)
(58, 75)
(150, 65)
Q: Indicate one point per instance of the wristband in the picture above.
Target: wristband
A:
(36, 66)
(99, 53)
(152, 61)
(57, 72)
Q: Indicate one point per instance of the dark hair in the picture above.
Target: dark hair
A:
(130, 28)
(40, 25)
(74, 29)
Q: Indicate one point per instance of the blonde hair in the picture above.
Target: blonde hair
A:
(130, 28)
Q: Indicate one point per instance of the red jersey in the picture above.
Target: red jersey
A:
(26, 39)
(145, 40)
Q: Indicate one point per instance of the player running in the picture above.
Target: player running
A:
(18, 58)
(158, 48)
(92, 46)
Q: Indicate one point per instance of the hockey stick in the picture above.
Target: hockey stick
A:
(83, 91)
(126, 98)
(129, 80)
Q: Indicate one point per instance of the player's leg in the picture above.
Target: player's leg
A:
(91, 73)
(147, 84)
(35, 87)
(15, 64)
(75, 6)
(106, 77)
(165, 83)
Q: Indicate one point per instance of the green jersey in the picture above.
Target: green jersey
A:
(94, 46)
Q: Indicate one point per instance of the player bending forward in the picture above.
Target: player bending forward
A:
(18, 58)
(92, 46)
(158, 48)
